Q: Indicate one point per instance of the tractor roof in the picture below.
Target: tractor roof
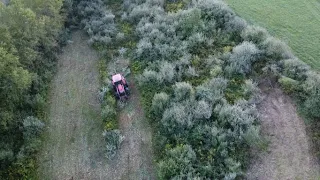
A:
(116, 77)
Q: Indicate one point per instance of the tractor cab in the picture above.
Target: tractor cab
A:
(120, 86)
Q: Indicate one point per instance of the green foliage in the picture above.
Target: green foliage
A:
(212, 91)
(113, 140)
(289, 85)
(253, 138)
(312, 97)
(234, 90)
(276, 49)
(295, 69)
(159, 103)
(174, 6)
(178, 164)
(137, 67)
(242, 58)
(32, 127)
(254, 34)
(29, 34)
(183, 90)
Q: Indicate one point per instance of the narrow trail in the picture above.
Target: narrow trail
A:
(288, 155)
(73, 147)
(134, 159)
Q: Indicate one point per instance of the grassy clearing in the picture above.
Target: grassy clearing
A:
(296, 22)
(73, 138)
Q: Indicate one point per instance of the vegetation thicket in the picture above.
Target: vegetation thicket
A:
(29, 42)
(198, 63)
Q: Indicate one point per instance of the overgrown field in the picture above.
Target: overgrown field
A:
(296, 22)
(198, 65)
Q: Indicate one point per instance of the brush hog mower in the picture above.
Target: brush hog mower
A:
(120, 87)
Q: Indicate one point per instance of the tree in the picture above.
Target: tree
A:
(14, 80)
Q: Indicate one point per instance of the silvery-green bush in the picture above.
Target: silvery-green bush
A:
(242, 58)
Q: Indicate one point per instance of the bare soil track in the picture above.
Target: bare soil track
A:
(74, 145)
(288, 155)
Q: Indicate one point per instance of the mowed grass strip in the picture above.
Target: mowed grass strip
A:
(297, 22)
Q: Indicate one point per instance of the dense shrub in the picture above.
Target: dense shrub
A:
(312, 99)
(242, 58)
(289, 85)
(183, 90)
(197, 48)
(96, 20)
(276, 50)
(159, 103)
(212, 91)
(32, 127)
(254, 34)
(177, 118)
(202, 110)
(178, 164)
(295, 69)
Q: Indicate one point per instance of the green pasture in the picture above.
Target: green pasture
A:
(297, 22)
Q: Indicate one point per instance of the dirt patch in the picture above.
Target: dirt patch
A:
(288, 155)
(73, 147)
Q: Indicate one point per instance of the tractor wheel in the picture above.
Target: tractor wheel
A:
(127, 90)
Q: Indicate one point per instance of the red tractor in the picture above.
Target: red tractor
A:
(120, 87)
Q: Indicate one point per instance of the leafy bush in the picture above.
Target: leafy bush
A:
(177, 118)
(242, 58)
(202, 110)
(182, 90)
(151, 77)
(239, 116)
(254, 34)
(276, 49)
(289, 85)
(212, 91)
(178, 164)
(167, 71)
(253, 138)
(113, 140)
(159, 103)
(97, 21)
(32, 127)
(312, 89)
(295, 69)
(250, 87)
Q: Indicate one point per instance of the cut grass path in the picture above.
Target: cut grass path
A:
(73, 138)
(296, 22)
(73, 143)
